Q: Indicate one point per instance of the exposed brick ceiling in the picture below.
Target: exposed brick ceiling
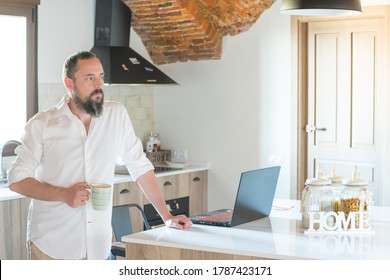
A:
(182, 30)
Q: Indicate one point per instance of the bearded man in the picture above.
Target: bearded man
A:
(66, 149)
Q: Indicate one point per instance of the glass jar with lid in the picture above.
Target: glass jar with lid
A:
(337, 187)
(317, 196)
(355, 197)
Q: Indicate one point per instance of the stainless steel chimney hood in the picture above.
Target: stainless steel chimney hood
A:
(122, 65)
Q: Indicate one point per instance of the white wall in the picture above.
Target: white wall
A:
(64, 27)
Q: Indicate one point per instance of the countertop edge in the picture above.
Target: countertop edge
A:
(275, 256)
(193, 167)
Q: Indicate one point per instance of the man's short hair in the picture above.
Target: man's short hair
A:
(70, 65)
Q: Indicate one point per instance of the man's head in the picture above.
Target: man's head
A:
(83, 77)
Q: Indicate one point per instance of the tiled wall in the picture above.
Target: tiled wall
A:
(139, 101)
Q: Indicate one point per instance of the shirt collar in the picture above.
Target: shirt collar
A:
(63, 107)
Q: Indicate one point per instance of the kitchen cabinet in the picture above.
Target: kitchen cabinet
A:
(13, 221)
(173, 186)
(191, 185)
(198, 192)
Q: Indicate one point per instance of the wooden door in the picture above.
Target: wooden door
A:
(345, 97)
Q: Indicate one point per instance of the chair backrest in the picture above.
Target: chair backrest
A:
(121, 220)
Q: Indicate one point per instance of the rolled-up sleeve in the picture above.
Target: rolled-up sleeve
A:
(132, 154)
(140, 163)
(29, 153)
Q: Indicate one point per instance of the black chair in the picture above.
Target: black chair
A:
(121, 225)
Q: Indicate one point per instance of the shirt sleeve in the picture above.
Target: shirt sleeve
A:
(29, 153)
(132, 154)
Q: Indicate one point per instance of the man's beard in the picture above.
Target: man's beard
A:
(91, 107)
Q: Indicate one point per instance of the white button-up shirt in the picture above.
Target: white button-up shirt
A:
(57, 150)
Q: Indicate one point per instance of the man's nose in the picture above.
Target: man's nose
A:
(99, 83)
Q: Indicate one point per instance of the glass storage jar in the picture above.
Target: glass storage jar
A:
(317, 196)
(337, 187)
(355, 197)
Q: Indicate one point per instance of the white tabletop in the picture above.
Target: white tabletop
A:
(280, 236)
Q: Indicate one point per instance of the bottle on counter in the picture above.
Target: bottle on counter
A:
(317, 196)
(154, 143)
(355, 197)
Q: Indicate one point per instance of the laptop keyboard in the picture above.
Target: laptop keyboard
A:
(217, 217)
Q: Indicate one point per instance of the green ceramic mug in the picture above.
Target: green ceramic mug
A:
(100, 195)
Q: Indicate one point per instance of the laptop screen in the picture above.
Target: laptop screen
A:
(255, 195)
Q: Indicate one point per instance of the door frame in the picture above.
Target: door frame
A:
(299, 62)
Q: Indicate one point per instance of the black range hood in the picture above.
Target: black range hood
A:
(122, 65)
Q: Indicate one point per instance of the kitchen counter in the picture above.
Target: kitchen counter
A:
(192, 166)
(279, 236)
(7, 194)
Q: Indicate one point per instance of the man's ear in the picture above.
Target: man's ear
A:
(68, 82)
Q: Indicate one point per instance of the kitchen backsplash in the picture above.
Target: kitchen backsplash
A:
(139, 101)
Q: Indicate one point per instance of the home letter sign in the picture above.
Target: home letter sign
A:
(338, 221)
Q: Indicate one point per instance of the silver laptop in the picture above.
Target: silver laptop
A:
(254, 200)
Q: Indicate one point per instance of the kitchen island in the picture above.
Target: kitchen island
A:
(279, 236)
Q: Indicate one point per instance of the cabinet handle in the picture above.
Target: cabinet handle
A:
(167, 183)
(196, 179)
(124, 191)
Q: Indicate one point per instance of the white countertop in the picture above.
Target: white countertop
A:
(7, 194)
(192, 166)
(280, 236)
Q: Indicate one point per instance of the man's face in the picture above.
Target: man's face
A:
(88, 86)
